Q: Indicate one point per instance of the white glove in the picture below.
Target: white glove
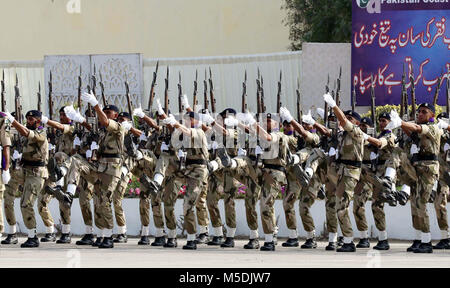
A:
(185, 102)
(286, 115)
(308, 119)
(241, 117)
(396, 121)
(321, 112)
(94, 146)
(214, 145)
(164, 146)
(9, 117)
(44, 119)
(249, 119)
(332, 152)
(51, 147)
(124, 170)
(77, 117)
(207, 119)
(16, 155)
(181, 154)
(442, 124)
(446, 147)
(126, 125)
(414, 149)
(138, 112)
(159, 107)
(373, 156)
(6, 176)
(258, 150)
(76, 142)
(169, 120)
(89, 98)
(365, 136)
(242, 152)
(329, 99)
(143, 137)
(88, 154)
(231, 122)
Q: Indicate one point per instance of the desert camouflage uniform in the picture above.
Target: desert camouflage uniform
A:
(440, 202)
(5, 141)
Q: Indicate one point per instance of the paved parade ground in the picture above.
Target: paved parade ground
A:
(131, 255)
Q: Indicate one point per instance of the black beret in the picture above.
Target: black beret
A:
(62, 109)
(125, 115)
(34, 113)
(227, 111)
(353, 114)
(428, 105)
(203, 111)
(367, 120)
(192, 114)
(385, 115)
(442, 115)
(111, 107)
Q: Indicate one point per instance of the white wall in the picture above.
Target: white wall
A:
(398, 219)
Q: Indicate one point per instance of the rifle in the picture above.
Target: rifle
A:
(195, 101)
(372, 107)
(3, 92)
(263, 106)
(244, 93)
(19, 116)
(258, 96)
(353, 98)
(324, 140)
(448, 89)
(438, 89)
(39, 104)
(129, 104)
(279, 94)
(182, 164)
(52, 134)
(211, 93)
(152, 89)
(413, 94)
(166, 93)
(205, 91)
(299, 105)
(338, 88)
(92, 120)
(102, 89)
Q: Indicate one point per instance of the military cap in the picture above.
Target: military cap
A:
(62, 109)
(428, 105)
(34, 113)
(385, 115)
(367, 121)
(228, 111)
(111, 107)
(353, 114)
(125, 115)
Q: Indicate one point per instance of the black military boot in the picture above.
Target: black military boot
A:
(363, 243)
(159, 241)
(402, 197)
(252, 244)
(331, 246)
(224, 157)
(64, 239)
(190, 245)
(432, 196)
(171, 243)
(49, 237)
(30, 243)
(151, 188)
(202, 238)
(121, 238)
(107, 243)
(229, 243)
(144, 241)
(309, 244)
(10, 239)
(340, 241)
(64, 198)
(424, 248)
(88, 239)
(302, 176)
(321, 194)
(54, 171)
(382, 245)
(443, 244)
(216, 241)
(414, 246)
(291, 242)
(350, 247)
(129, 145)
(268, 246)
(98, 242)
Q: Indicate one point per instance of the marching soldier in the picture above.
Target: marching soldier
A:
(5, 144)
(34, 161)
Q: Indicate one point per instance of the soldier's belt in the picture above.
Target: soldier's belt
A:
(350, 162)
(419, 157)
(33, 163)
(195, 162)
(107, 155)
(367, 162)
(275, 167)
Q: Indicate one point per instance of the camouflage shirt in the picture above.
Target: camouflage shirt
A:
(35, 148)
(65, 142)
(276, 150)
(351, 146)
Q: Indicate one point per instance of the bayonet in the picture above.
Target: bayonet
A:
(195, 101)
(205, 91)
(211, 92)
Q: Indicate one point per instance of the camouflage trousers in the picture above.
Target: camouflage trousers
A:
(196, 177)
(201, 207)
(348, 178)
(308, 195)
(427, 173)
(117, 198)
(13, 190)
(399, 160)
(440, 202)
(83, 174)
(2, 190)
(328, 174)
(215, 191)
(363, 192)
(33, 186)
(249, 175)
(273, 181)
